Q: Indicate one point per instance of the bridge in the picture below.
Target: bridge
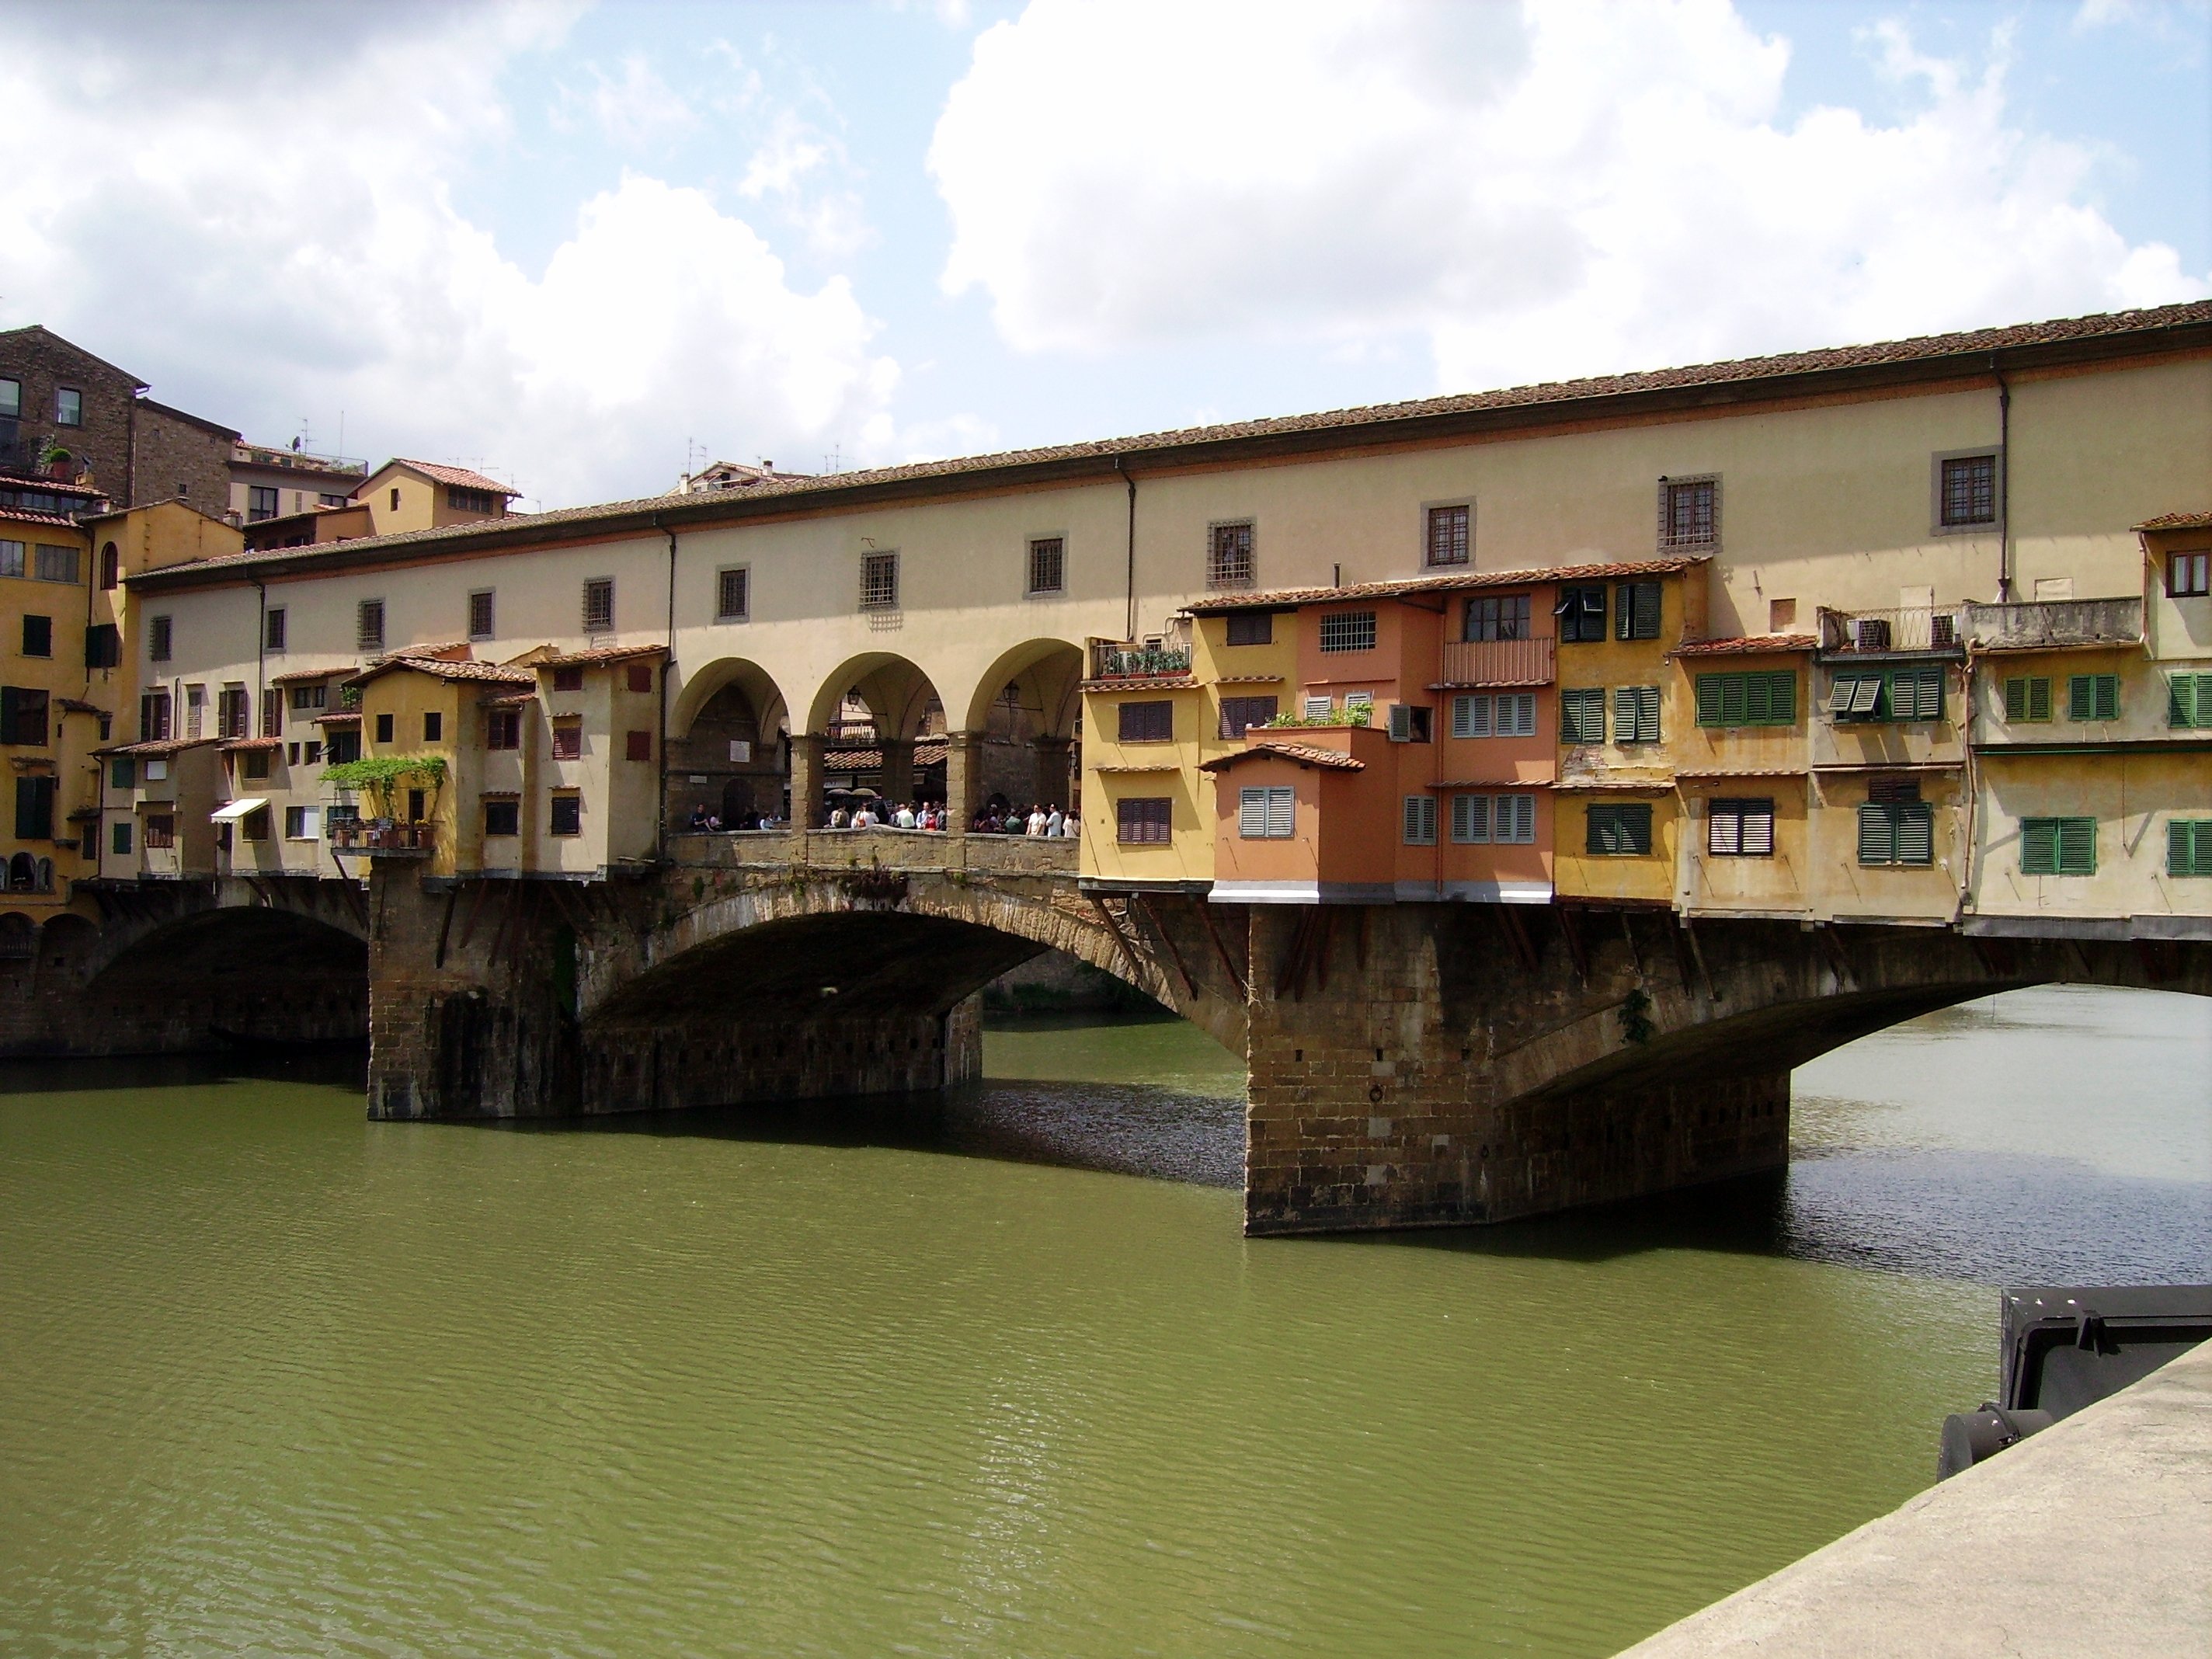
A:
(1408, 1064)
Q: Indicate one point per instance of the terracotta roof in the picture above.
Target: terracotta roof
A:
(1739, 772)
(337, 717)
(303, 676)
(452, 475)
(234, 745)
(1749, 644)
(507, 700)
(1331, 760)
(1614, 786)
(598, 655)
(33, 515)
(866, 760)
(155, 749)
(78, 706)
(447, 668)
(2178, 521)
(1280, 598)
(1158, 683)
(1895, 361)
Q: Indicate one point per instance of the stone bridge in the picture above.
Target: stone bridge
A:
(1409, 1065)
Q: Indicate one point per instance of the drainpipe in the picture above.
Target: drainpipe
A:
(2004, 482)
(661, 832)
(1129, 478)
(260, 652)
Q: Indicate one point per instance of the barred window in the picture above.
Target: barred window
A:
(1239, 714)
(272, 629)
(480, 614)
(1969, 490)
(733, 594)
(1449, 542)
(599, 604)
(1502, 616)
(879, 581)
(369, 624)
(1147, 722)
(1348, 630)
(1229, 562)
(1689, 511)
(160, 638)
(1144, 820)
(1739, 828)
(1047, 565)
(1251, 628)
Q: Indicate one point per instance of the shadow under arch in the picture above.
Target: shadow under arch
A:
(899, 695)
(258, 973)
(1047, 672)
(728, 746)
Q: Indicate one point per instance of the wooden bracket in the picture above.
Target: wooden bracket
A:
(1221, 949)
(1142, 906)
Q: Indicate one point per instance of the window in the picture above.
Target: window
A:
(122, 773)
(55, 564)
(1896, 694)
(69, 407)
(272, 712)
(1507, 819)
(272, 629)
(307, 699)
(121, 840)
(879, 581)
(369, 624)
(261, 503)
(11, 399)
(1618, 829)
(1251, 628)
(641, 679)
(1768, 697)
(111, 566)
(1411, 722)
(384, 728)
(34, 809)
(1147, 722)
(232, 710)
(1348, 630)
(1581, 611)
(1637, 615)
(1896, 826)
(1582, 716)
(1500, 715)
(194, 712)
(153, 717)
(1318, 708)
(1449, 542)
(103, 646)
(344, 746)
(433, 727)
(1143, 821)
(1965, 491)
(300, 822)
(1739, 828)
(480, 614)
(2059, 846)
(253, 766)
(2189, 846)
(2092, 698)
(1421, 820)
(2188, 574)
(11, 558)
(1238, 713)
(1229, 560)
(568, 677)
(1502, 616)
(2028, 697)
(1266, 814)
(254, 826)
(38, 636)
(568, 740)
(22, 715)
(637, 745)
(1359, 708)
(1636, 714)
(502, 818)
(314, 751)
(1689, 511)
(161, 832)
(1047, 564)
(160, 638)
(598, 604)
(2189, 701)
(733, 594)
(395, 498)
(566, 817)
(503, 728)
(329, 500)
(464, 500)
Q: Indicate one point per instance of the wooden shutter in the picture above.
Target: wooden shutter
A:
(1915, 833)
(1877, 835)
(1582, 716)
(1421, 820)
(2189, 846)
(1252, 814)
(2015, 699)
(1470, 717)
(1636, 714)
(1517, 714)
(1282, 812)
(1470, 817)
(1523, 810)
(2081, 697)
(2038, 847)
(1710, 699)
(1759, 698)
(1758, 828)
(1725, 829)
(2077, 847)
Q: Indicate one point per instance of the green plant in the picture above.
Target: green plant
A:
(1352, 713)
(382, 776)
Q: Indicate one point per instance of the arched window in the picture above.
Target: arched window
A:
(45, 875)
(22, 874)
(111, 565)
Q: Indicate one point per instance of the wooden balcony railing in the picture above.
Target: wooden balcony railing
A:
(400, 840)
(1499, 662)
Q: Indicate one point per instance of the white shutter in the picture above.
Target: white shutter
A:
(1759, 833)
(1282, 807)
(1401, 722)
(1470, 817)
(1723, 832)
(1470, 717)
(1517, 714)
(1252, 814)
(1317, 709)
(1524, 815)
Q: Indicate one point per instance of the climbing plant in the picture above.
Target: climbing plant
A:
(381, 776)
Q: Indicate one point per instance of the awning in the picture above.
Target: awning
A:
(237, 810)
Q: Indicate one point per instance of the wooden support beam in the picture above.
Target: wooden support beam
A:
(1577, 953)
(1321, 948)
(1221, 948)
(1114, 926)
(1517, 934)
(1143, 907)
(476, 909)
(446, 927)
(1294, 958)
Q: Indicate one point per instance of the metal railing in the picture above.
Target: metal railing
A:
(1124, 660)
(367, 835)
(1499, 662)
(1878, 633)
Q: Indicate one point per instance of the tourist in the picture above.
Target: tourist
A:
(1073, 827)
(1037, 821)
(698, 817)
(839, 818)
(1053, 822)
(903, 818)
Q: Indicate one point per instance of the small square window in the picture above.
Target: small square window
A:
(1047, 565)
(1144, 820)
(1450, 540)
(384, 723)
(1251, 628)
(1146, 722)
(637, 745)
(433, 727)
(732, 594)
(160, 638)
(1268, 813)
(567, 740)
(566, 817)
(2188, 575)
(11, 399)
(254, 765)
(261, 503)
(641, 678)
(1229, 558)
(1967, 491)
(599, 604)
(69, 407)
(1348, 630)
(502, 818)
(1689, 511)
(1739, 828)
(879, 581)
(569, 677)
(480, 614)
(38, 636)
(503, 728)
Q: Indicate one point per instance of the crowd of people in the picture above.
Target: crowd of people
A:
(999, 818)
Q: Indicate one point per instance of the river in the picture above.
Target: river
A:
(997, 1374)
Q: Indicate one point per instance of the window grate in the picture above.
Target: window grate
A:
(879, 581)
(732, 594)
(1348, 630)
(599, 604)
(1689, 511)
(1449, 540)
(1047, 565)
(480, 614)
(1229, 560)
(369, 624)
(1970, 490)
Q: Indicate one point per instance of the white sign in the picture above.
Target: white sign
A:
(740, 748)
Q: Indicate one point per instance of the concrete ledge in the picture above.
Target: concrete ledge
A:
(2093, 1537)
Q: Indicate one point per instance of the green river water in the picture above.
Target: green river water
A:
(997, 1374)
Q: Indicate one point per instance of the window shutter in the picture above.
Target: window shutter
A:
(2081, 697)
(1724, 830)
(1877, 836)
(1421, 820)
(1471, 717)
(1597, 828)
(2015, 700)
(1647, 713)
(1401, 722)
(1282, 809)
(2039, 699)
(2181, 700)
(2108, 697)
(2077, 847)
(1915, 833)
(1582, 716)
(1252, 814)
(1710, 699)
(1647, 610)
(1470, 817)
(2038, 847)
(2181, 847)
(1524, 818)
(10, 713)
(1782, 693)
(1758, 828)
(1517, 714)
(1758, 700)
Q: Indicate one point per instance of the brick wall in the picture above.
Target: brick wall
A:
(44, 364)
(178, 459)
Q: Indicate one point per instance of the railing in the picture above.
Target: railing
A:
(1499, 662)
(1877, 633)
(2056, 622)
(366, 836)
(305, 460)
(1122, 659)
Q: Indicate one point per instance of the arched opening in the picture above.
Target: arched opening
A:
(19, 938)
(67, 940)
(22, 874)
(1024, 716)
(243, 972)
(880, 740)
(729, 750)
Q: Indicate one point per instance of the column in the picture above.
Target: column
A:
(1053, 788)
(898, 770)
(806, 781)
(963, 762)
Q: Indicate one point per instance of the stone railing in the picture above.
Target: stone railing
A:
(2056, 622)
(888, 849)
(1499, 662)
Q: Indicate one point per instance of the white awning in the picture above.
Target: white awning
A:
(237, 810)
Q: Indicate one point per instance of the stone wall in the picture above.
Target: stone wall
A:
(44, 364)
(178, 459)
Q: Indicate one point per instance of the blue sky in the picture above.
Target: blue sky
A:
(562, 242)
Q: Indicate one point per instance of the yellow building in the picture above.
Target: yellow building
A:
(403, 495)
(50, 721)
(1740, 722)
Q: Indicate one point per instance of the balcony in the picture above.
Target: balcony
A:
(1918, 631)
(1499, 662)
(1138, 660)
(381, 839)
(2055, 624)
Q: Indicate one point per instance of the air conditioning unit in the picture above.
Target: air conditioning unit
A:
(1942, 631)
(1871, 633)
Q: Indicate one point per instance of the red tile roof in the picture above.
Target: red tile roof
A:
(448, 668)
(1746, 645)
(1331, 760)
(2165, 328)
(2178, 521)
(1278, 598)
(32, 515)
(156, 748)
(234, 745)
(301, 676)
(598, 655)
(452, 475)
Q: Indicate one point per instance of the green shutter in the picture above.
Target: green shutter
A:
(2189, 846)
(2077, 847)
(2189, 700)
(1597, 828)
(2092, 698)
(1636, 826)
(2015, 699)
(1877, 835)
(1782, 697)
(2039, 698)
(1582, 716)
(1711, 697)
(1915, 832)
(1735, 700)
(2038, 847)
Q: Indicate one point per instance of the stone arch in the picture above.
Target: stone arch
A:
(729, 750)
(701, 686)
(898, 692)
(1047, 672)
(19, 937)
(67, 940)
(903, 706)
(1022, 719)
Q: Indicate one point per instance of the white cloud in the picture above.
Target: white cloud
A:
(261, 235)
(640, 109)
(1570, 188)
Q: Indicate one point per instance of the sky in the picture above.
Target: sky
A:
(583, 246)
